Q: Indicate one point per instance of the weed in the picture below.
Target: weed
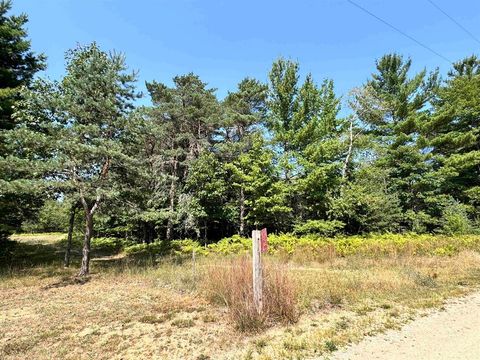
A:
(209, 318)
(152, 319)
(342, 324)
(330, 346)
(183, 323)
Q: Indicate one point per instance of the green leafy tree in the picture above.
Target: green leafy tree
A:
(253, 174)
(18, 64)
(366, 204)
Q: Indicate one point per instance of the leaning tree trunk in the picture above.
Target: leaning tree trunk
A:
(68, 250)
(85, 267)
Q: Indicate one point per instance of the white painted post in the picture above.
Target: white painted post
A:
(257, 271)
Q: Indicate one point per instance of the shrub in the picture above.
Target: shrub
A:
(107, 244)
(420, 222)
(319, 227)
(52, 216)
(232, 245)
(455, 219)
(366, 206)
(187, 247)
(152, 249)
(230, 284)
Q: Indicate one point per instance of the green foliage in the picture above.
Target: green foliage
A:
(153, 249)
(52, 217)
(392, 107)
(18, 65)
(319, 248)
(108, 245)
(68, 136)
(277, 155)
(366, 206)
(307, 134)
(455, 220)
(232, 245)
(319, 227)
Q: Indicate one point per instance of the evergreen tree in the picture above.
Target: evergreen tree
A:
(393, 111)
(188, 115)
(245, 112)
(18, 65)
(452, 134)
(68, 136)
(306, 130)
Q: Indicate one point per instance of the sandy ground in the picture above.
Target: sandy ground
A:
(450, 333)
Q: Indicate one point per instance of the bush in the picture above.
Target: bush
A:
(230, 284)
(319, 227)
(152, 249)
(366, 207)
(232, 245)
(455, 219)
(108, 244)
(187, 247)
(318, 248)
(53, 216)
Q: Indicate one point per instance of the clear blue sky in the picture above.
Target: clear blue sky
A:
(224, 41)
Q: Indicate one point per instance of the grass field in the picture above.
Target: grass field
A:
(168, 307)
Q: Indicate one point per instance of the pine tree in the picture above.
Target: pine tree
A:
(18, 65)
(68, 136)
(188, 113)
(453, 136)
(245, 111)
(306, 135)
(393, 111)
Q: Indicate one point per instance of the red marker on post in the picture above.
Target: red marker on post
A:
(263, 240)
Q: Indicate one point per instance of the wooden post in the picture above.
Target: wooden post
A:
(257, 272)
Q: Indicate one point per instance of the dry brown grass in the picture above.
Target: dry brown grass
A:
(167, 310)
(229, 283)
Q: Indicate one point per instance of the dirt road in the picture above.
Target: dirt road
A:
(452, 333)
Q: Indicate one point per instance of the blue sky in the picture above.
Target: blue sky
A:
(224, 41)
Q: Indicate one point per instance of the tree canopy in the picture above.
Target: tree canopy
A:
(400, 153)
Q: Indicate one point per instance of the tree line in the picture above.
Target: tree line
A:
(400, 152)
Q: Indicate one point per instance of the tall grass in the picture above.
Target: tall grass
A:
(230, 283)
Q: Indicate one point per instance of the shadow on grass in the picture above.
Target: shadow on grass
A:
(66, 281)
(45, 259)
(20, 255)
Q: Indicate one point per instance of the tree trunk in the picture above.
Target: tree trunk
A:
(85, 268)
(71, 222)
(172, 192)
(349, 152)
(205, 232)
(241, 229)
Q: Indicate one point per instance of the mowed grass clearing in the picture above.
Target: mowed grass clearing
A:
(163, 309)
